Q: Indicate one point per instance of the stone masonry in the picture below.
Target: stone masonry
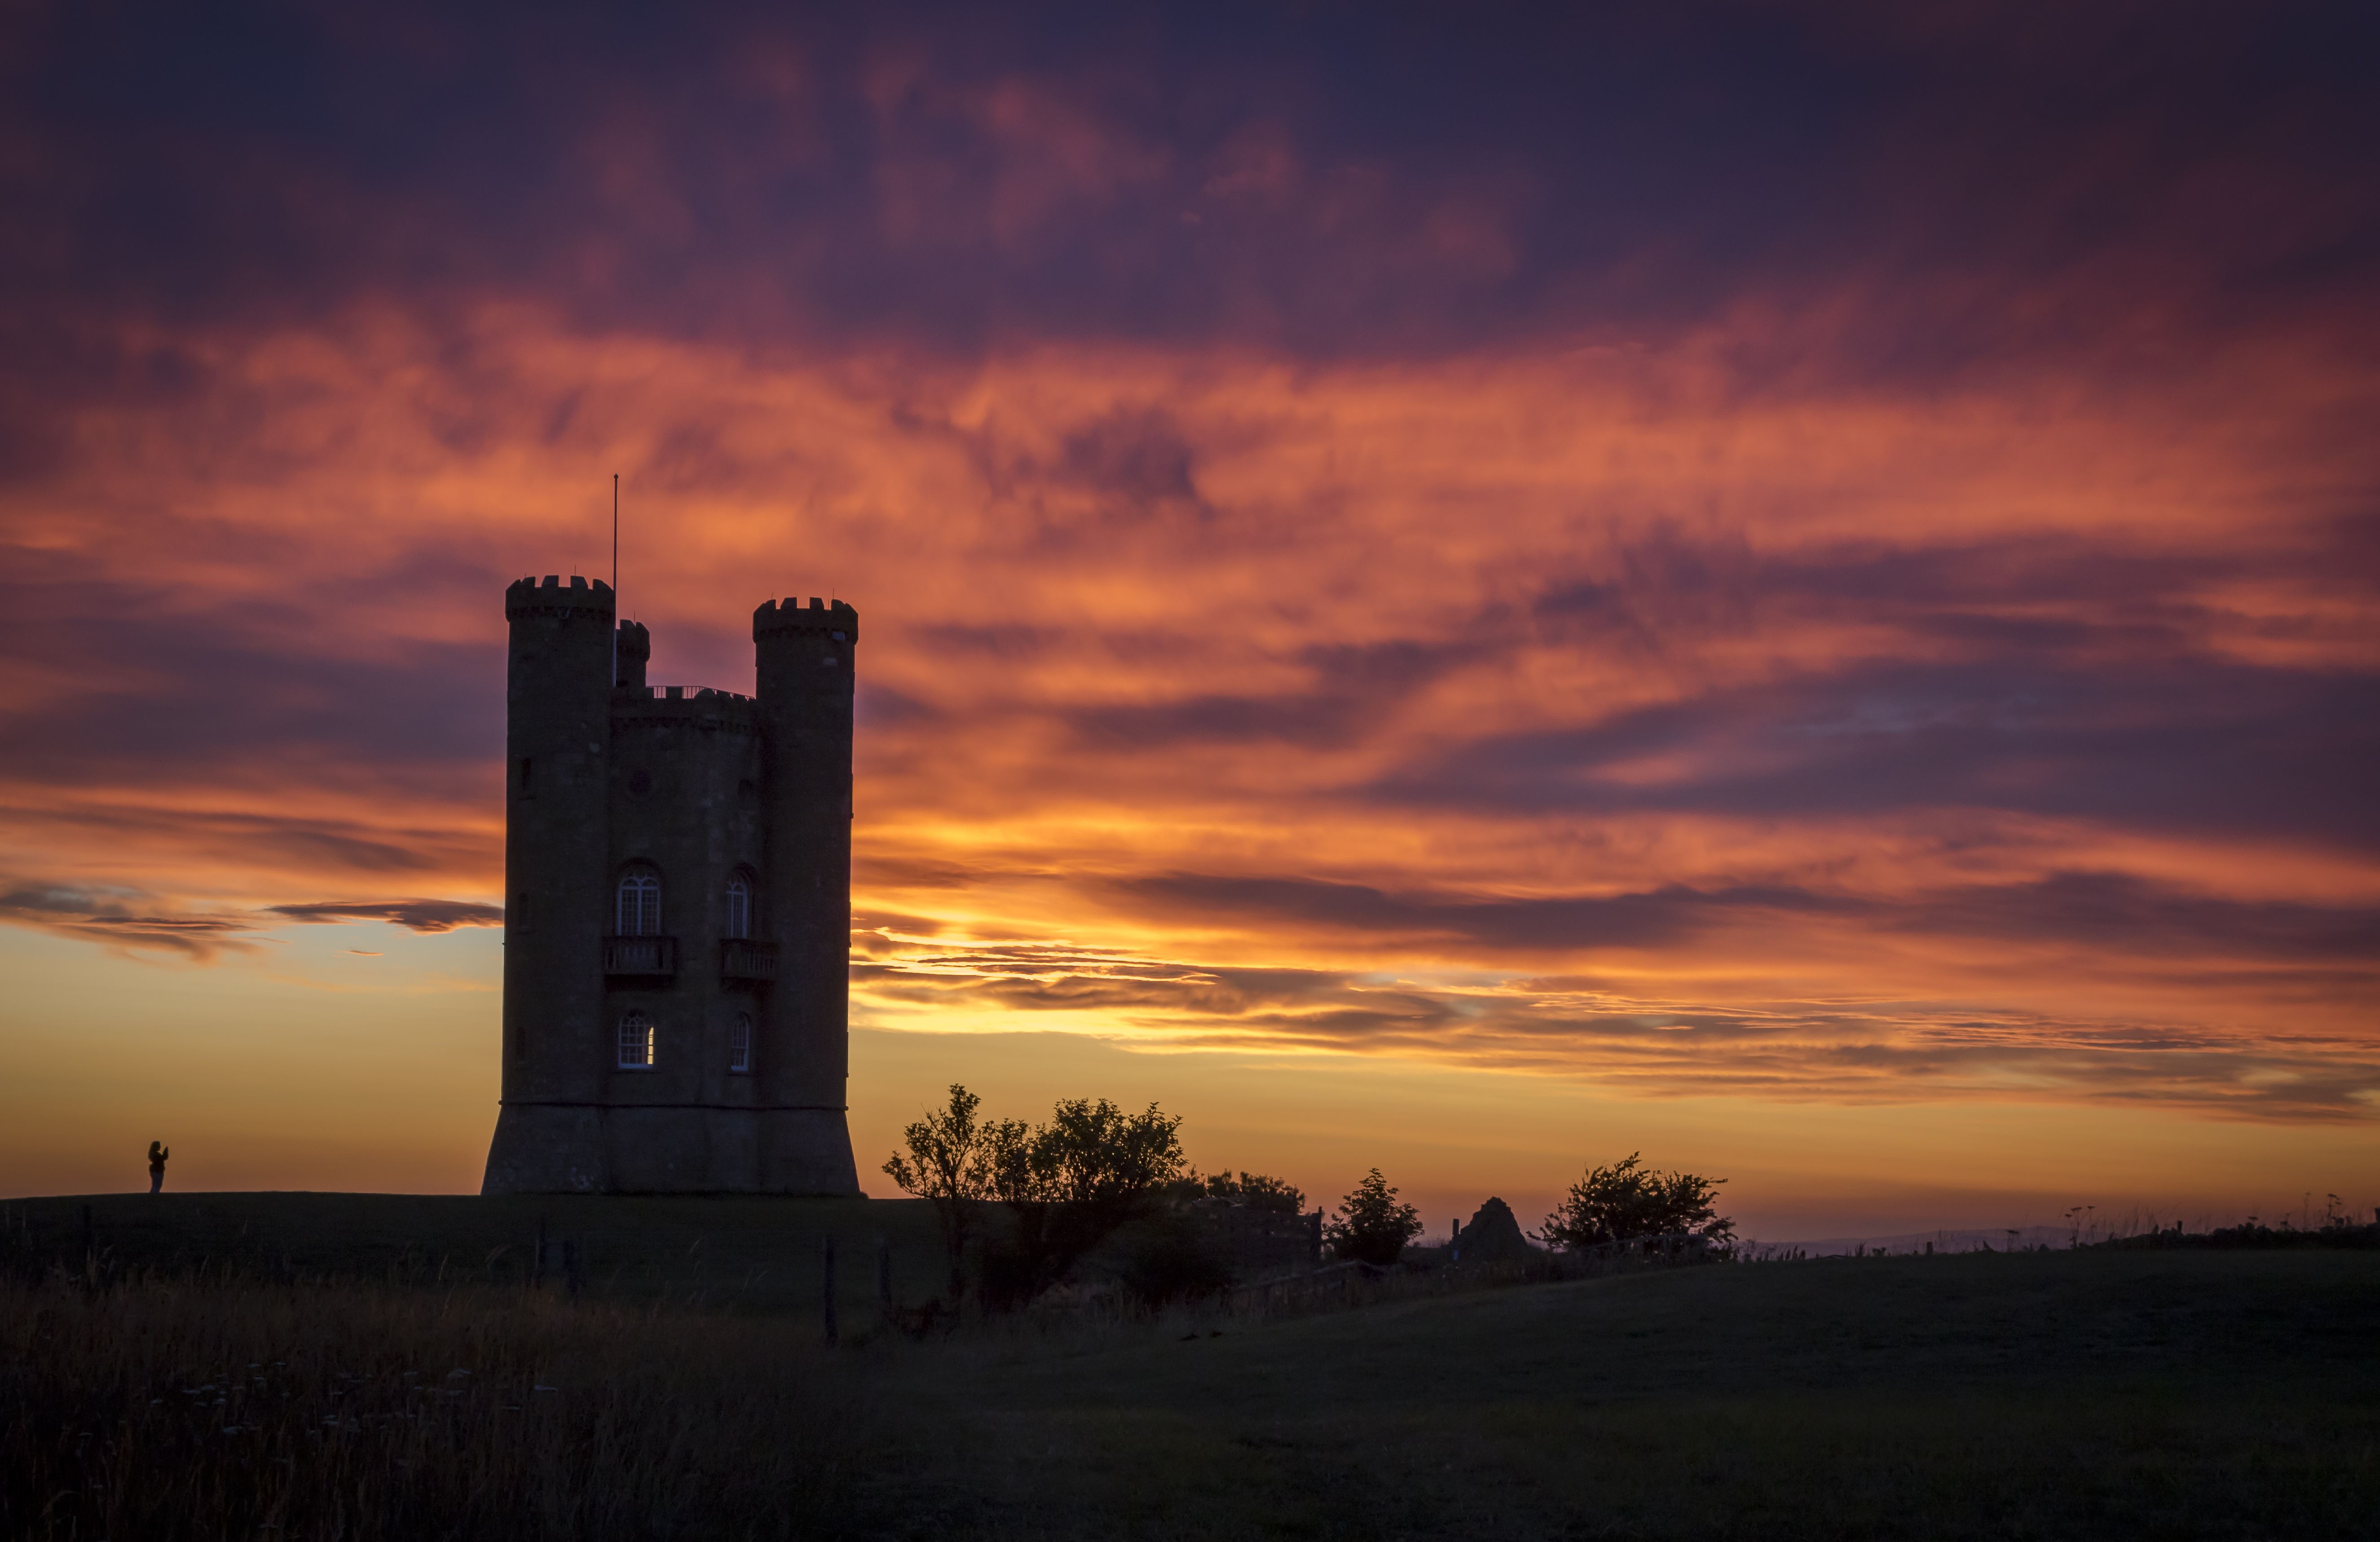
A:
(678, 908)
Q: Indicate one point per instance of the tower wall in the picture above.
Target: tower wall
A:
(606, 773)
(557, 733)
(804, 658)
(685, 802)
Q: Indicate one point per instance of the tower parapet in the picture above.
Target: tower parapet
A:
(774, 619)
(527, 597)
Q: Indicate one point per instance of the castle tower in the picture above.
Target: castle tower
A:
(678, 909)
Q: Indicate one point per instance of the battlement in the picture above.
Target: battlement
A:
(704, 696)
(775, 619)
(676, 704)
(527, 597)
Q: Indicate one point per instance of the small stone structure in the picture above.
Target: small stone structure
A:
(1493, 1235)
(677, 923)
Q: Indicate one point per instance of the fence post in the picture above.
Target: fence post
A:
(829, 1295)
(537, 1268)
(884, 1275)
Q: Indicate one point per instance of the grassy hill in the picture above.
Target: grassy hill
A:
(2071, 1394)
(2089, 1394)
(724, 1251)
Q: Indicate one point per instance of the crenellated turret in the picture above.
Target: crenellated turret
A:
(804, 662)
(632, 648)
(557, 732)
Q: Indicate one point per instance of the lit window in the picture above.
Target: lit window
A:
(635, 1043)
(739, 907)
(640, 904)
(739, 1044)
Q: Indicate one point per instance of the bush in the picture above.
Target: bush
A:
(1371, 1226)
(1171, 1257)
(1069, 1185)
(1255, 1190)
(1627, 1200)
(948, 1166)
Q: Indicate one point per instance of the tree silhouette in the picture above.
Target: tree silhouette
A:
(1371, 1226)
(1627, 1200)
(949, 1166)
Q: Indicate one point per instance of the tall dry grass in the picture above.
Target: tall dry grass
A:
(204, 1406)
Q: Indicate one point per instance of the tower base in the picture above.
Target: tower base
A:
(594, 1148)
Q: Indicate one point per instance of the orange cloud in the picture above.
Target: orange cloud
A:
(1596, 711)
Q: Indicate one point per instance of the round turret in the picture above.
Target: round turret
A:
(804, 658)
(633, 649)
(557, 733)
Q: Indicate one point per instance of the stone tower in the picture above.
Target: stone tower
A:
(678, 871)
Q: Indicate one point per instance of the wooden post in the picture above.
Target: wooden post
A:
(884, 1275)
(537, 1268)
(829, 1296)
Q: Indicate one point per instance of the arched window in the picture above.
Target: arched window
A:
(639, 913)
(635, 1043)
(739, 1045)
(739, 907)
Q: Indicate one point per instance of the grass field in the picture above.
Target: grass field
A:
(2087, 1393)
(735, 1253)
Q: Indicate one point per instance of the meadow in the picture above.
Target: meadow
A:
(378, 1387)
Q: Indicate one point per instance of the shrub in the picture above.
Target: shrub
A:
(1172, 1257)
(949, 1166)
(1627, 1200)
(1069, 1185)
(1255, 1190)
(1371, 1226)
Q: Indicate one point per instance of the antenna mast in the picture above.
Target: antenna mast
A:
(615, 577)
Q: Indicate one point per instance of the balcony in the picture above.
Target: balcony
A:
(640, 958)
(746, 963)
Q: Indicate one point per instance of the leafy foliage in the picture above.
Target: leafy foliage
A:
(949, 1166)
(1068, 1185)
(1256, 1190)
(1627, 1200)
(1171, 1257)
(1371, 1225)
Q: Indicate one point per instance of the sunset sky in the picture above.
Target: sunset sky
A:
(1788, 587)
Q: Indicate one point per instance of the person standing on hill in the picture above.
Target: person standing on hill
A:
(157, 1155)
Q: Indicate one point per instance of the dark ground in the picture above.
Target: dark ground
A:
(728, 1252)
(2087, 1393)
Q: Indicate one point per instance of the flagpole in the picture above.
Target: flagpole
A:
(615, 578)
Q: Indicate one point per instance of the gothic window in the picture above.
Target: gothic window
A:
(739, 1045)
(639, 912)
(635, 1043)
(740, 906)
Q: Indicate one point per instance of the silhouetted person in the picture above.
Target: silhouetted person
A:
(157, 1155)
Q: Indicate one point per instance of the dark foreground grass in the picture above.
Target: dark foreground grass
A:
(2059, 1395)
(741, 1253)
(218, 1408)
